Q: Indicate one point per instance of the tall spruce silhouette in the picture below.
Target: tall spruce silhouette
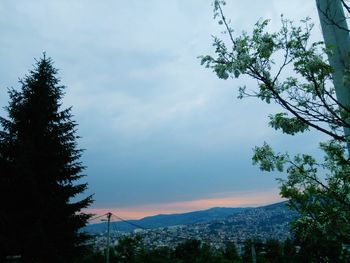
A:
(40, 172)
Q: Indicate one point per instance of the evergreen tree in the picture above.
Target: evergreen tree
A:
(273, 251)
(39, 162)
(188, 251)
(230, 253)
(289, 251)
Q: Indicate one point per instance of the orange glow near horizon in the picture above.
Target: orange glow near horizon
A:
(247, 199)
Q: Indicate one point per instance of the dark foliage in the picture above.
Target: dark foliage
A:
(132, 250)
(39, 169)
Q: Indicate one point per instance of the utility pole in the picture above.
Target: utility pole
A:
(108, 235)
(336, 36)
(253, 252)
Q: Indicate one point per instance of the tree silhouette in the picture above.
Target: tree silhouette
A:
(39, 162)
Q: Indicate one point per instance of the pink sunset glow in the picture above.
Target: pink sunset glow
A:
(234, 200)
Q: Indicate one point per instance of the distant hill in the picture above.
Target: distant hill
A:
(241, 217)
(167, 220)
(271, 221)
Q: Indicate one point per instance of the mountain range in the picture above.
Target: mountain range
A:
(247, 217)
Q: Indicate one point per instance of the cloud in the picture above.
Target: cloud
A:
(155, 124)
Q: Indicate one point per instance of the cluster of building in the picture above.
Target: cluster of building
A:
(252, 224)
(257, 223)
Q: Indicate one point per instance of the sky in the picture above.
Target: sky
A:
(161, 133)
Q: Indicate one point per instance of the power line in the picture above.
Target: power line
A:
(139, 226)
(97, 217)
(109, 214)
(128, 222)
(144, 228)
(114, 227)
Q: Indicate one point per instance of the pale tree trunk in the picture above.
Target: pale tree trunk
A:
(336, 36)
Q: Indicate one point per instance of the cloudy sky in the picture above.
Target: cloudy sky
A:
(161, 133)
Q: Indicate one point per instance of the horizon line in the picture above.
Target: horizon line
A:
(224, 200)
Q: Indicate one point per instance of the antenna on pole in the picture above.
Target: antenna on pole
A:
(108, 235)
